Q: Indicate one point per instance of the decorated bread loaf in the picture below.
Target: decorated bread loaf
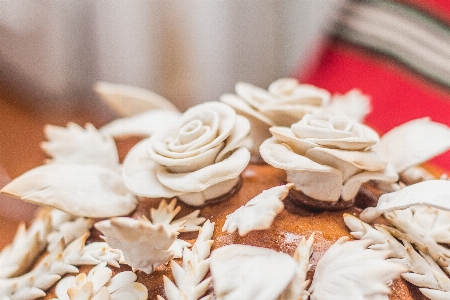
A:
(276, 194)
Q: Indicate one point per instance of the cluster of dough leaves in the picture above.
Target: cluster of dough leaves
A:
(300, 128)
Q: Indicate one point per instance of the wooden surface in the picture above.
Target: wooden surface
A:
(21, 132)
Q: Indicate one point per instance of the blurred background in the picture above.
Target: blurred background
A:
(188, 51)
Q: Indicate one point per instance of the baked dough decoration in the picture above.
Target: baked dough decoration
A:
(259, 212)
(411, 246)
(80, 189)
(297, 288)
(149, 243)
(75, 144)
(144, 124)
(414, 142)
(432, 193)
(144, 246)
(416, 239)
(99, 284)
(198, 160)
(339, 274)
(248, 272)
(57, 262)
(285, 102)
(142, 112)
(327, 156)
(190, 282)
(353, 104)
(129, 100)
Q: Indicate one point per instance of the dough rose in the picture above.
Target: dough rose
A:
(198, 159)
(284, 103)
(327, 156)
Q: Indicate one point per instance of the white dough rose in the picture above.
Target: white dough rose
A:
(327, 156)
(197, 159)
(285, 102)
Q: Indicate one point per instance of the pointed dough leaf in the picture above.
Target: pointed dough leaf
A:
(339, 274)
(129, 100)
(414, 142)
(143, 124)
(81, 190)
(247, 272)
(259, 212)
(434, 193)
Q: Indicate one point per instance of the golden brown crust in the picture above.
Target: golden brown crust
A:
(288, 228)
(284, 235)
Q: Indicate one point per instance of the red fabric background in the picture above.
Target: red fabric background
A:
(397, 94)
(438, 8)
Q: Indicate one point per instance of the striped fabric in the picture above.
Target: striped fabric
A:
(398, 52)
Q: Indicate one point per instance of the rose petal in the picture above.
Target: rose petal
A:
(144, 124)
(129, 100)
(369, 132)
(329, 125)
(201, 179)
(353, 184)
(240, 131)
(350, 143)
(354, 104)
(414, 142)
(308, 131)
(285, 134)
(81, 190)
(259, 123)
(300, 145)
(243, 108)
(187, 164)
(318, 181)
(290, 91)
(279, 155)
(212, 192)
(283, 114)
(317, 185)
(216, 110)
(348, 162)
(139, 174)
(195, 132)
(253, 95)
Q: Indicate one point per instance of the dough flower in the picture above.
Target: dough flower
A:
(198, 159)
(327, 156)
(282, 104)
